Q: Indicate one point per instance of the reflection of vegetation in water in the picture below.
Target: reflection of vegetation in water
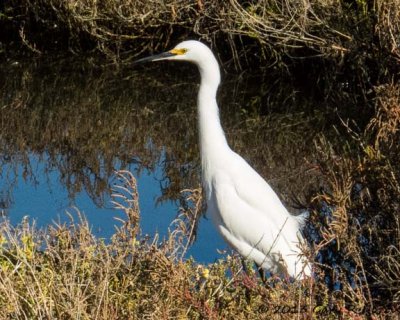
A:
(87, 121)
(82, 121)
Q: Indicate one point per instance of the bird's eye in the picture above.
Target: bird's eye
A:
(179, 51)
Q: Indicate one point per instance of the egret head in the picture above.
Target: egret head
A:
(195, 52)
(190, 50)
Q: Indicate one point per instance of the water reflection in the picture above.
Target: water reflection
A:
(66, 125)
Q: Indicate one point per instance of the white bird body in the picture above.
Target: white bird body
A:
(243, 207)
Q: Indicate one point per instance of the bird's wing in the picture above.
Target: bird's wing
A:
(250, 230)
(251, 215)
(250, 209)
(254, 190)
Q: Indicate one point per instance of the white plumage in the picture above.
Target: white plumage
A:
(243, 207)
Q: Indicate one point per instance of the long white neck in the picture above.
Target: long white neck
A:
(211, 134)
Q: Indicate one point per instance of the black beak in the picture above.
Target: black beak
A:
(156, 57)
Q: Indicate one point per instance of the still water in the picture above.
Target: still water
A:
(67, 124)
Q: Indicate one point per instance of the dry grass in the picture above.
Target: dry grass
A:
(291, 24)
(64, 272)
(253, 30)
(388, 26)
(355, 221)
(386, 122)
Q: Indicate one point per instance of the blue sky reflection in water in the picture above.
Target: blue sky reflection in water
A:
(43, 198)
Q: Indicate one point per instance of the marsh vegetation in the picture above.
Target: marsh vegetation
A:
(315, 109)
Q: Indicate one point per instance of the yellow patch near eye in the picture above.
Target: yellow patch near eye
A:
(178, 52)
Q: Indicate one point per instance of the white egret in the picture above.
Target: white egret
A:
(243, 207)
